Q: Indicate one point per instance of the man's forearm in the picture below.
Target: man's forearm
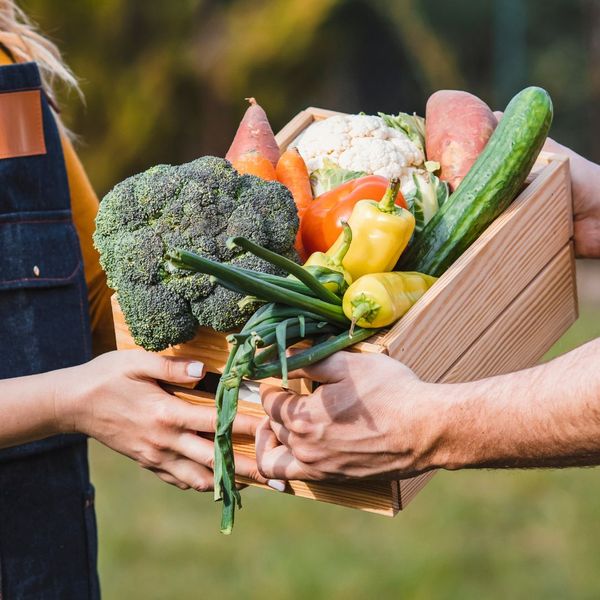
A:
(547, 416)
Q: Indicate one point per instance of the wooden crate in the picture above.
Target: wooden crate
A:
(499, 308)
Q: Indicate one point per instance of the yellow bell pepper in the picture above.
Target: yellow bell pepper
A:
(328, 269)
(380, 233)
(380, 299)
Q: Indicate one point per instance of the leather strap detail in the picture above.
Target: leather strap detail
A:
(21, 124)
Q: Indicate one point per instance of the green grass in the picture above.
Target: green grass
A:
(477, 534)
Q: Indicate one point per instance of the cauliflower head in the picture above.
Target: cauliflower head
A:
(361, 143)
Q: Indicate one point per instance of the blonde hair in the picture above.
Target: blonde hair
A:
(20, 36)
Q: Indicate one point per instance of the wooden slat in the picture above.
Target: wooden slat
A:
(528, 326)
(519, 337)
(409, 488)
(472, 294)
(209, 346)
(293, 129)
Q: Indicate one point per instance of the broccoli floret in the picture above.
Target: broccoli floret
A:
(156, 316)
(195, 206)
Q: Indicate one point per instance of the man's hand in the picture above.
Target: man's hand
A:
(373, 417)
(585, 187)
(116, 399)
(585, 184)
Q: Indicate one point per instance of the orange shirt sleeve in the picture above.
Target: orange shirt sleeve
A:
(84, 206)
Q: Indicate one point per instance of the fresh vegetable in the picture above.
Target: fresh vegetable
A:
(287, 265)
(458, 126)
(320, 261)
(247, 282)
(380, 232)
(195, 206)
(254, 134)
(322, 223)
(273, 328)
(253, 163)
(412, 125)
(330, 176)
(292, 172)
(489, 187)
(360, 143)
(380, 299)
(425, 200)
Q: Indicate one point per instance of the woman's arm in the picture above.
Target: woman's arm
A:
(116, 399)
(373, 417)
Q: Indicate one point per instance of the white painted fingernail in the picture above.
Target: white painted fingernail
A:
(195, 369)
(276, 485)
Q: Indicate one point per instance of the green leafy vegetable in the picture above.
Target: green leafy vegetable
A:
(412, 125)
(330, 176)
(196, 206)
(425, 200)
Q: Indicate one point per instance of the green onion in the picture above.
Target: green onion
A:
(315, 353)
(289, 266)
(262, 289)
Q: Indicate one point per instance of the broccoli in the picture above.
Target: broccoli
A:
(195, 206)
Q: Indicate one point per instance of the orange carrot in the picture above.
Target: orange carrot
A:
(254, 134)
(292, 172)
(253, 163)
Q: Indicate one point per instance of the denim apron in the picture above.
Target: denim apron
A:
(48, 543)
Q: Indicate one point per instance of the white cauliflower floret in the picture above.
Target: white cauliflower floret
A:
(360, 143)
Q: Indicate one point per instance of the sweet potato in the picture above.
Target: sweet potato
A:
(457, 128)
(253, 163)
(254, 134)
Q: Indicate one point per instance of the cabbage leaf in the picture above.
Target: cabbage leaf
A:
(330, 176)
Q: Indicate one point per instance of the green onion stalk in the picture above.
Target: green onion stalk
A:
(295, 308)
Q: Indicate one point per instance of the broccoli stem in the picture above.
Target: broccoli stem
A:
(261, 289)
(289, 266)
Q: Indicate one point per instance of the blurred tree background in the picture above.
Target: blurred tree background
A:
(165, 81)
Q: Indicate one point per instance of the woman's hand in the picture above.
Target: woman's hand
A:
(372, 417)
(116, 399)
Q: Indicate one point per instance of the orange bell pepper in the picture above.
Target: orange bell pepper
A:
(323, 221)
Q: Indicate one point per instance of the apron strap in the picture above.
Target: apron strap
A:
(4, 48)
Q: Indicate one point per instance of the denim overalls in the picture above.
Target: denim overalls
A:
(48, 543)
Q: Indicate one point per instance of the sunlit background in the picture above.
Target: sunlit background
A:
(164, 81)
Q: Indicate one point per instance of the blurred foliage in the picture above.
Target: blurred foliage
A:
(165, 81)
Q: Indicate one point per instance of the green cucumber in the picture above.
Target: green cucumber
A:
(489, 187)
